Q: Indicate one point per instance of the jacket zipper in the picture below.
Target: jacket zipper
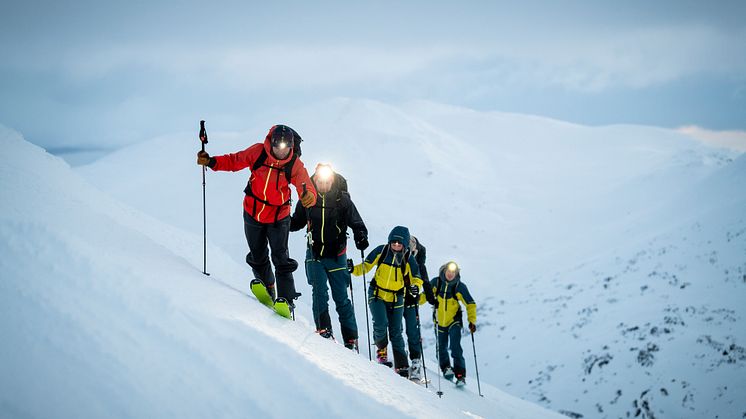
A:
(445, 298)
(264, 192)
(323, 216)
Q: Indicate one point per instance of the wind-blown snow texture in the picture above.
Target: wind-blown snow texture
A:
(104, 313)
(608, 263)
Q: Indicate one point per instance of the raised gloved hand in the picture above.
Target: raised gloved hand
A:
(362, 243)
(350, 266)
(307, 199)
(414, 290)
(472, 327)
(203, 159)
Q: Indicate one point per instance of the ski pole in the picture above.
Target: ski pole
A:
(437, 348)
(476, 366)
(352, 296)
(367, 322)
(422, 350)
(309, 236)
(203, 140)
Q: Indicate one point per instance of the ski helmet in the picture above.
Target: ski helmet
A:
(282, 136)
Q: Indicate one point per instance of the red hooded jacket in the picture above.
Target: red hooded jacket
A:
(268, 182)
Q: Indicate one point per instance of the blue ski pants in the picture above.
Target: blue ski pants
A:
(387, 317)
(325, 273)
(450, 338)
(413, 332)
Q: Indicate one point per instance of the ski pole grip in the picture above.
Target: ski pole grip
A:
(202, 134)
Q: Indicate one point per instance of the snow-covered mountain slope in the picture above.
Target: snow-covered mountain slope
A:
(538, 212)
(653, 326)
(104, 313)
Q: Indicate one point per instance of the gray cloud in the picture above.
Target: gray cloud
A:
(125, 71)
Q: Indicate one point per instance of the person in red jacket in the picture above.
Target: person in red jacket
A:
(274, 165)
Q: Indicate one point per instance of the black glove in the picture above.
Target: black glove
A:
(434, 303)
(472, 327)
(362, 243)
(414, 290)
(350, 266)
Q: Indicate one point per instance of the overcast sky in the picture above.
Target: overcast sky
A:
(104, 73)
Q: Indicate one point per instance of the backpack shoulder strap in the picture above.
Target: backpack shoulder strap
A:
(288, 168)
(259, 160)
(438, 287)
(384, 252)
(403, 267)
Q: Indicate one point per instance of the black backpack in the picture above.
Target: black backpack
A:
(340, 183)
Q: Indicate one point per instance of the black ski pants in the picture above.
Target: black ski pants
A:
(258, 236)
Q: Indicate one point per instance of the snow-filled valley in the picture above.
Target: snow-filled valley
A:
(608, 265)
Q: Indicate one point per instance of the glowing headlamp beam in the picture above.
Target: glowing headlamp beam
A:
(452, 267)
(324, 172)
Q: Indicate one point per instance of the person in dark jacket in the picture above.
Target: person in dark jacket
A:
(326, 257)
(450, 291)
(411, 309)
(394, 266)
(274, 165)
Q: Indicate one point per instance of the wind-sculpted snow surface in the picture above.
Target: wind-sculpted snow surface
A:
(607, 262)
(104, 313)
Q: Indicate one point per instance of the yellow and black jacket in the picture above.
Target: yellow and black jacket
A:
(392, 273)
(449, 294)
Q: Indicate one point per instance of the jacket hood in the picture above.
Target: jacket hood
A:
(443, 268)
(400, 233)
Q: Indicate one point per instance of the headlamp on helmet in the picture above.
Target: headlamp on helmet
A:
(282, 137)
(324, 172)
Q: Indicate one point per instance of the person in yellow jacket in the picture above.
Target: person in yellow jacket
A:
(396, 269)
(449, 292)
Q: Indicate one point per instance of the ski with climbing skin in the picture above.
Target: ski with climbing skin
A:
(280, 306)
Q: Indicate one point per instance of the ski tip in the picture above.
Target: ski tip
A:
(260, 292)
